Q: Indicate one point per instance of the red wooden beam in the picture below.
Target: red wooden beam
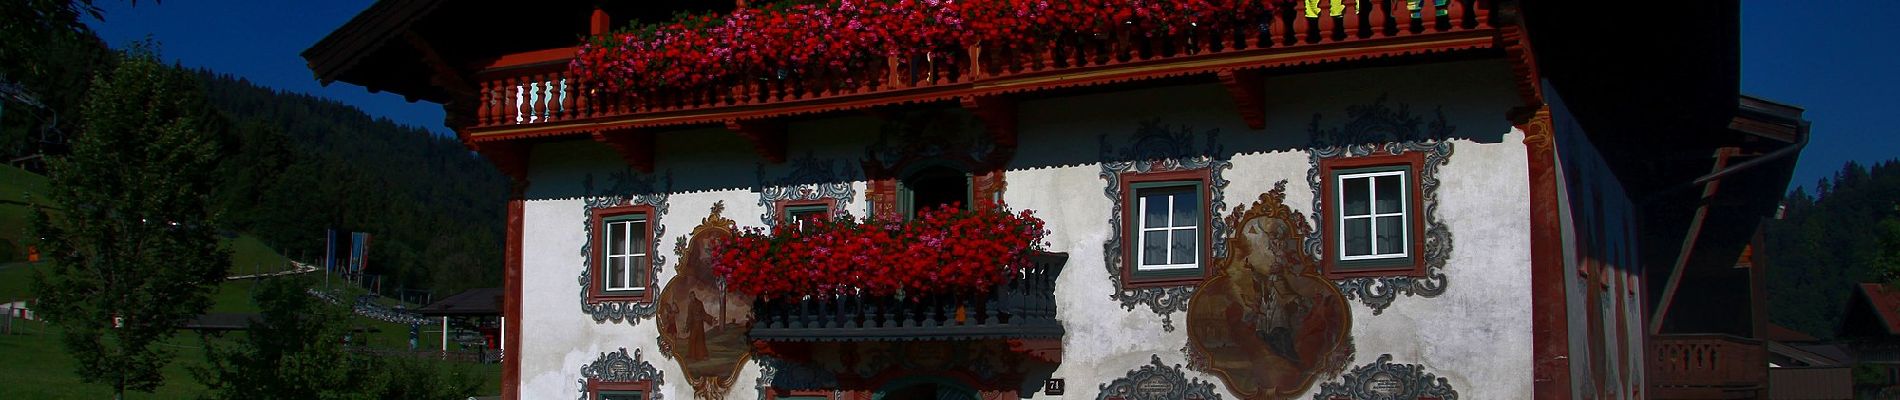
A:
(634, 146)
(1550, 317)
(1249, 95)
(767, 136)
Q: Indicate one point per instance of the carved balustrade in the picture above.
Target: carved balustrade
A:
(545, 93)
(1023, 308)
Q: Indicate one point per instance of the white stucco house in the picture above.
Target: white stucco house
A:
(1357, 200)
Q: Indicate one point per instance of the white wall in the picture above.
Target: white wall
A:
(1476, 335)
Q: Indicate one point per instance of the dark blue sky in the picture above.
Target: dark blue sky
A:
(1838, 60)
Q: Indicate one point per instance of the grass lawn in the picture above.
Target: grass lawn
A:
(35, 366)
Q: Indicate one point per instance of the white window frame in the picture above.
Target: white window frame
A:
(1142, 229)
(1372, 214)
(629, 254)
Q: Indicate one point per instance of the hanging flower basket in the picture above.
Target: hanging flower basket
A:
(942, 251)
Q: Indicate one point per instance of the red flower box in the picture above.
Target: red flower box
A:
(780, 41)
(940, 251)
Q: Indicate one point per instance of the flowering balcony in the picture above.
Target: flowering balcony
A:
(1021, 308)
(1706, 366)
(543, 93)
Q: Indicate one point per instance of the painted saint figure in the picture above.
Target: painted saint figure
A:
(1264, 320)
(702, 323)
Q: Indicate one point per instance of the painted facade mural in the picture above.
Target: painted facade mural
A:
(620, 368)
(1264, 320)
(1383, 380)
(1156, 148)
(1378, 129)
(702, 325)
(1157, 381)
(626, 188)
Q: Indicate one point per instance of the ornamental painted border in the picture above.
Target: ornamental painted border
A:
(1178, 385)
(619, 367)
(1376, 128)
(629, 189)
(1154, 148)
(809, 179)
(1382, 380)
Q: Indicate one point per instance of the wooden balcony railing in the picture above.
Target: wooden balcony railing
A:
(545, 93)
(1021, 309)
(1706, 363)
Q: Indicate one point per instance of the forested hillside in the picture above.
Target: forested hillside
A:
(1844, 232)
(299, 164)
(293, 165)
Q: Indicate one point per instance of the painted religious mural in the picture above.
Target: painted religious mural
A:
(1265, 321)
(703, 326)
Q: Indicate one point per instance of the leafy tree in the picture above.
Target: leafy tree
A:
(137, 249)
(295, 352)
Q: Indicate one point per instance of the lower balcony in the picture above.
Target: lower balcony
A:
(1706, 366)
(1023, 308)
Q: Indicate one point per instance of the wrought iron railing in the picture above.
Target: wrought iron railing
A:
(545, 91)
(1025, 307)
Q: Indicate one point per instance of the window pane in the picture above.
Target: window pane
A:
(616, 238)
(621, 396)
(1356, 195)
(1154, 210)
(1389, 191)
(614, 272)
(1187, 209)
(1358, 237)
(1182, 248)
(639, 233)
(637, 272)
(1391, 235)
(1154, 250)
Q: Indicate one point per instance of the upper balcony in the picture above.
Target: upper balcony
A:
(537, 93)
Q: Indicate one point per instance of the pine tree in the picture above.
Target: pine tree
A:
(137, 253)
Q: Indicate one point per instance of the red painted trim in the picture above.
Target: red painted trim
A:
(1127, 180)
(1330, 226)
(595, 386)
(1550, 316)
(779, 207)
(562, 55)
(598, 293)
(511, 303)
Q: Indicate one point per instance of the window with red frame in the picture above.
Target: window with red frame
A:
(599, 390)
(1373, 225)
(623, 249)
(1165, 227)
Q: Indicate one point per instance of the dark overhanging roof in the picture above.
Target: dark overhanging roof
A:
(474, 302)
(371, 49)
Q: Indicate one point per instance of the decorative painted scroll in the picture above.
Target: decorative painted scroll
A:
(619, 367)
(1382, 380)
(1157, 381)
(1379, 129)
(810, 179)
(1265, 321)
(703, 325)
(628, 188)
(1154, 148)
